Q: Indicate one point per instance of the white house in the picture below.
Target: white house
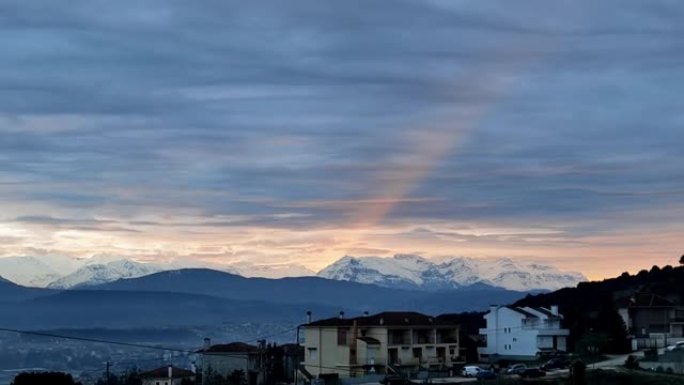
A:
(522, 332)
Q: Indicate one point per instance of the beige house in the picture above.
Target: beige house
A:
(167, 375)
(378, 344)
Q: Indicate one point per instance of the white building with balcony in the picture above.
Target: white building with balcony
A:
(403, 341)
(523, 332)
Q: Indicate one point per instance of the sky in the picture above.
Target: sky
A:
(270, 133)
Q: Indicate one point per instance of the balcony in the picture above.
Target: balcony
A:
(398, 340)
(409, 362)
(447, 339)
(553, 332)
(420, 339)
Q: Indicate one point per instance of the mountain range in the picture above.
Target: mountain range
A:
(407, 272)
(191, 297)
(415, 272)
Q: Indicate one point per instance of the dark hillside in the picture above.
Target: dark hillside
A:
(591, 307)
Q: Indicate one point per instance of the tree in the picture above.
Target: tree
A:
(609, 322)
(237, 377)
(681, 260)
(52, 378)
(578, 373)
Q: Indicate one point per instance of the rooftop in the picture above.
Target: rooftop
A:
(383, 319)
(163, 372)
(233, 347)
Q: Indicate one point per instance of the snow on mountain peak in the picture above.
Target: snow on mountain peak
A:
(97, 273)
(416, 272)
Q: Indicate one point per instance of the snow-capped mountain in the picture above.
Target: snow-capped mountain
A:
(97, 273)
(415, 272)
(249, 270)
(27, 271)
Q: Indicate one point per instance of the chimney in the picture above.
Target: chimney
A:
(207, 343)
(365, 313)
(341, 315)
(554, 309)
(308, 317)
(170, 373)
(493, 308)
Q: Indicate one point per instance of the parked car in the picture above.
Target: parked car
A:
(485, 375)
(532, 373)
(394, 380)
(556, 363)
(516, 369)
(470, 371)
(677, 346)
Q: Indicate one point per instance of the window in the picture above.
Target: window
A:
(312, 354)
(342, 337)
(515, 340)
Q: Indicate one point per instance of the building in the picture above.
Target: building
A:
(226, 360)
(522, 332)
(292, 356)
(378, 344)
(653, 320)
(167, 375)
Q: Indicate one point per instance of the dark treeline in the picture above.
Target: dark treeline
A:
(590, 309)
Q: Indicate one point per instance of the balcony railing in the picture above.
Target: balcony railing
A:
(398, 340)
(553, 332)
(423, 340)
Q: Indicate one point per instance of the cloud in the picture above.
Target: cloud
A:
(185, 123)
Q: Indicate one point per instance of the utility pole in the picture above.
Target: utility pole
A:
(107, 371)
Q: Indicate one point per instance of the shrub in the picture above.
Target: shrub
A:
(631, 362)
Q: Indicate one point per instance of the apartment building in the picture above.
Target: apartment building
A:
(375, 344)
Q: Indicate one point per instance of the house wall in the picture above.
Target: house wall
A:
(162, 381)
(225, 364)
(508, 336)
(646, 321)
(324, 355)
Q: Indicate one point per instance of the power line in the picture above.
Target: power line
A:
(132, 344)
(95, 340)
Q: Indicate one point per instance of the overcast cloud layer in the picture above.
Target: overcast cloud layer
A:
(271, 132)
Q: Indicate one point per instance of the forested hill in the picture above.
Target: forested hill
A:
(667, 282)
(591, 307)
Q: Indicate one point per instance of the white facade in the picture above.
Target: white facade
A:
(522, 332)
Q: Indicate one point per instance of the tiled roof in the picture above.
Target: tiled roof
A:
(522, 311)
(547, 312)
(233, 347)
(649, 300)
(163, 372)
(385, 319)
